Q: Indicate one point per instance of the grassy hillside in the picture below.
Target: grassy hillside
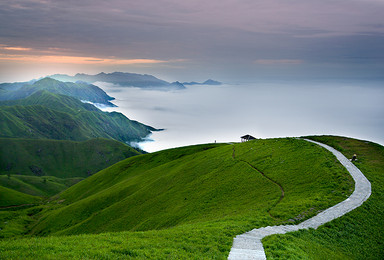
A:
(63, 159)
(55, 116)
(9, 197)
(357, 235)
(78, 90)
(37, 186)
(57, 102)
(154, 192)
(188, 202)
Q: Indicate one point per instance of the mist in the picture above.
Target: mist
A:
(207, 114)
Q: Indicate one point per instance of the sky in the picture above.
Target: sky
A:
(228, 40)
(289, 67)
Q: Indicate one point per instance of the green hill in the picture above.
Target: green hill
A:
(37, 186)
(57, 102)
(209, 235)
(54, 116)
(9, 197)
(78, 90)
(213, 194)
(201, 184)
(63, 159)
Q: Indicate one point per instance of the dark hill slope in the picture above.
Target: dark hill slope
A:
(63, 159)
(9, 197)
(78, 90)
(203, 184)
(45, 186)
(55, 116)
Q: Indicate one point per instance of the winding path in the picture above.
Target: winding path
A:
(249, 246)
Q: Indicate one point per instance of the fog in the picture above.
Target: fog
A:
(205, 114)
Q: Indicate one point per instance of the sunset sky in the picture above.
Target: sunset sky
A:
(228, 40)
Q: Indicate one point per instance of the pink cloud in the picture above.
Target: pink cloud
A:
(77, 60)
(14, 48)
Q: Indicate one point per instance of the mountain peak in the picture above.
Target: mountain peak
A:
(211, 82)
(46, 79)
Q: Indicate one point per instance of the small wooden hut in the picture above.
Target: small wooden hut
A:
(246, 138)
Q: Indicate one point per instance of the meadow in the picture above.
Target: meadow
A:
(184, 203)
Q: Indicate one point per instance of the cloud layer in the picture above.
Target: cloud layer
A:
(203, 114)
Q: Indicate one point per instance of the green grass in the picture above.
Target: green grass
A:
(185, 242)
(64, 159)
(184, 203)
(45, 186)
(45, 115)
(357, 235)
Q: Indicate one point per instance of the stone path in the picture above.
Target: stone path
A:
(249, 246)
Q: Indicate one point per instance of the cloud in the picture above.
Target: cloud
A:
(77, 60)
(225, 35)
(14, 48)
(281, 108)
(276, 62)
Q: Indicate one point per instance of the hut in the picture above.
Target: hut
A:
(246, 138)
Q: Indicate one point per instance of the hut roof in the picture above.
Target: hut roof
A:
(248, 137)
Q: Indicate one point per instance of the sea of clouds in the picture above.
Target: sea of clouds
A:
(206, 114)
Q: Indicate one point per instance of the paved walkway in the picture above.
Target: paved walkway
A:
(249, 246)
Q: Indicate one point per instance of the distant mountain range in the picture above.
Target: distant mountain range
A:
(130, 80)
(207, 82)
(122, 79)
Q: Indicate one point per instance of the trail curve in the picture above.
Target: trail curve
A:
(249, 246)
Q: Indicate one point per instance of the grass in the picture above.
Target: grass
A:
(357, 235)
(184, 203)
(45, 115)
(185, 242)
(59, 158)
(45, 186)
